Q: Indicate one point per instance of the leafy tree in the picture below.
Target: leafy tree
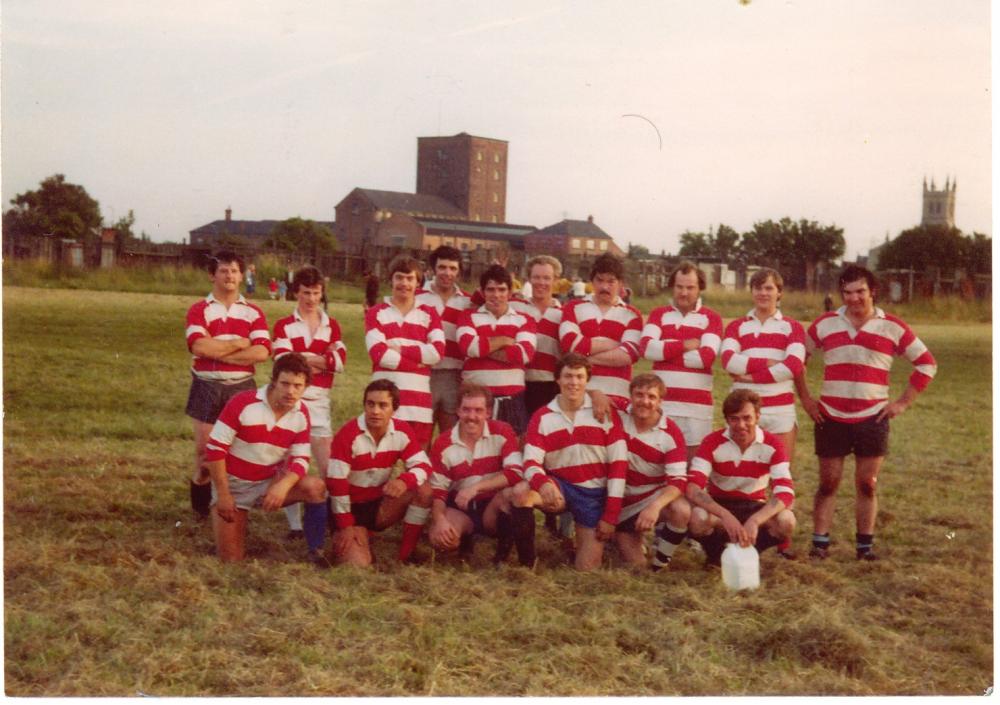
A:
(769, 243)
(795, 248)
(638, 251)
(814, 245)
(56, 208)
(724, 243)
(939, 246)
(296, 235)
(695, 245)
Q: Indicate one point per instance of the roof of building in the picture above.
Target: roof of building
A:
(476, 229)
(460, 134)
(413, 203)
(251, 228)
(575, 228)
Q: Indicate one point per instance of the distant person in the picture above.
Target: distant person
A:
(472, 463)
(282, 290)
(682, 340)
(579, 288)
(445, 296)
(858, 342)
(309, 331)
(364, 498)
(405, 340)
(828, 302)
(258, 456)
(227, 336)
(728, 483)
(251, 279)
(272, 288)
(656, 480)
(605, 329)
(539, 376)
(764, 351)
(326, 287)
(371, 290)
(498, 342)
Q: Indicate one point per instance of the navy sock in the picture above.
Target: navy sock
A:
(821, 540)
(314, 525)
(201, 497)
(864, 542)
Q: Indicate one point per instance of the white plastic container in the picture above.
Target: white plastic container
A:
(740, 567)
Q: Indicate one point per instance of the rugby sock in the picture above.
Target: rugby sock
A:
(523, 521)
(315, 525)
(785, 545)
(713, 544)
(864, 543)
(201, 497)
(505, 537)
(294, 514)
(413, 526)
(821, 540)
(765, 540)
(667, 539)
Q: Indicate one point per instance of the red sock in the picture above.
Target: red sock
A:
(784, 545)
(411, 534)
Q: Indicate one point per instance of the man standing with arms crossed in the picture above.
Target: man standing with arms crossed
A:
(227, 336)
(444, 296)
(858, 342)
(539, 376)
(682, 340)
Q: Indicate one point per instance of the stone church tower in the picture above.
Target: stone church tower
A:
(939, 206)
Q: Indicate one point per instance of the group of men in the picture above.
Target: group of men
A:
(537, 408)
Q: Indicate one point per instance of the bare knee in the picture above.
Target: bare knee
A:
(700, 524)
(784, 524)
(866, 486)
(678, 513)
(314, 489)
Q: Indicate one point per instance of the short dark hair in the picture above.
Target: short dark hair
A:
(648, 379)
(496, 273)
(294, 363)
(737, 398)
(607, 264)
(761, 276)
(225, 256)
(573, 361)
(687, 267)
(406, 264)
(383, 385)
(307, 276)
(445, 252)
(854, 272)
(468, 389)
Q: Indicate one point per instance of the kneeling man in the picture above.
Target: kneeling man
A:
(574, 461)
(737, 463)
(258, 456)
(656, 479)
(364, 499)
(472, 462)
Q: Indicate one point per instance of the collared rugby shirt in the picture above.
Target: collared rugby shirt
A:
(209, 318)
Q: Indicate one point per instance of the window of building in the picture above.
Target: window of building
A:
(604, 245)
(479, 156)
(496, 174)
(496, 158)
(398, 240)
(355, 208)
(475, 216)
(496, 197)
(590, 244)
(575, 243)
(493, 218)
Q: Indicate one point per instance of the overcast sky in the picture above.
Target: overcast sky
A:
(832, 111)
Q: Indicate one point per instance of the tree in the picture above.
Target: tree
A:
(638, 251)
(795, 249)
(695, 245)
(938, 246)
(769, 243)
(814, 245)
(725, 242)
(57, 208)
(298, 236)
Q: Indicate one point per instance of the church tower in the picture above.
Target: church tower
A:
(939, 206)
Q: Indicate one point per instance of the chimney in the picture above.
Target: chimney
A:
(229, 214)
(590, 219)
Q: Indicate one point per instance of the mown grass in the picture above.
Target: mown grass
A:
(112, 589)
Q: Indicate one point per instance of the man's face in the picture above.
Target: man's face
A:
(645, 404)
(542, 277)
(686, 291)
(605, 289)
(227, 277)
(472, 415)
(766, 296)
(378, 410)
(404, 285)
(496, 294)
(743, 425)
(309, 298)
(445, 273)
(858, 297)
(573, 384)
(287, 390)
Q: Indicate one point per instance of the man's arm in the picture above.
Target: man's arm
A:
(700, 498)
(225, 507)
(756, 520)
(924, 369)
(250, 356)
(653, 346)
(276, 493)
(651, 512)
(809, 405)
(379, 351)
(498, 481)
(701, 354)
(215, 349)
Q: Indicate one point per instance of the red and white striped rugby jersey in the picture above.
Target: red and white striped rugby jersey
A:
(209, 318)
(749, 345)
(456, 466)
(657, 459)
(254, 444)
(291, 334)
(420, 339)
(359, 467)
(688, 375)
(583, 452)
(583, 323)
(857, 362)
(733, 474)
(476, 327)
(449, 312)
(542, 367)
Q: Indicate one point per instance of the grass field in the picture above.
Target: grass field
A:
(112, 589)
